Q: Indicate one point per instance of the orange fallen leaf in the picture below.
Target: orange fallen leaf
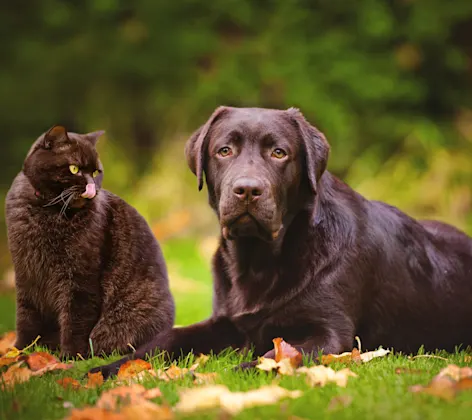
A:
(204, 378)
(69, 383)
(173, 373)
(7, 361)
(94, 413)
(94, 380)
(132, 368)
(283, 350)
(353, 356)
(40, 360)
(51, 367)
(455, 372)
(441, 386)
(7, 341)
(152, 393)
(14, 375)
(146, 410)
(464, 383)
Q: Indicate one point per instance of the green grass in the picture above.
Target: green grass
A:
(377, 393)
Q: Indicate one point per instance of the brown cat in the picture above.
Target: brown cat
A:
(87, 266)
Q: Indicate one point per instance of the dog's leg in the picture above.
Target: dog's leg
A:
(212, 335)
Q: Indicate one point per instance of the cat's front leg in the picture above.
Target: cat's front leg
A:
(76, 321)
(28, 322)
(108, 338)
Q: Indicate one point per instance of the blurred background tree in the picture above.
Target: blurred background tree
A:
(388, 81)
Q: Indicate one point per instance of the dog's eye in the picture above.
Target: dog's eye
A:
(74, 169)
(278, 153)
(225, 151)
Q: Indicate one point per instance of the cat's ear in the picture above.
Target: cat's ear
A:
(56, 134)
(93, 137)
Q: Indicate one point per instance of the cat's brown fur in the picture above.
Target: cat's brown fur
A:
(85, 268)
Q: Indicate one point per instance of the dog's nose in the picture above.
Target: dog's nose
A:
(248, 189)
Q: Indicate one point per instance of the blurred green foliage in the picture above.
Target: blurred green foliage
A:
(388, 81)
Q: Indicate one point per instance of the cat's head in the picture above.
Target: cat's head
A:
(65, 166)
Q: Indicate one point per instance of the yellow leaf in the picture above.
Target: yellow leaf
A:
(7, 341)
(283, 367)
(204, 398)
(132, 368)
(94, 380)
(322, 375)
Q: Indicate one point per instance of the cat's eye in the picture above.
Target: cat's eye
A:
(96, 173)
(74, 169)
(278, 153)
(225, 151)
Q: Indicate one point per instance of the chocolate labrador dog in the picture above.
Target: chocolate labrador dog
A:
(304, 257)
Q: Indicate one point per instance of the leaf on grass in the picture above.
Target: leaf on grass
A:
(52, 366)
(468, 359)
(146, 410)
(7, 361)
(204, 378)
(120, 396)
(204, 398)
(152, 393)
(69, 383)
(132, 368)
(369, 355)
(200, 361)
(441, 387)
(39, 360)
(455, 372)
(354, 356)
(7, 341)
(14, 375)
(340, 401)
(94, 380)
(283, 367)
(322, 375)
(94, 413)
(284, 350)
(172, 373)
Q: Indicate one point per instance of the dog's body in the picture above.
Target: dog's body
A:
(304, 257)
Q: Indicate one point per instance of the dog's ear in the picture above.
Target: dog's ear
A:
(315, 144)
(196, 147)
(55, 135)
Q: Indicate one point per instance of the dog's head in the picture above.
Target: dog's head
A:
(260, 165)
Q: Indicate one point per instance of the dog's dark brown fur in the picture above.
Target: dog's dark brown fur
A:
(85, 269)
(304, 257)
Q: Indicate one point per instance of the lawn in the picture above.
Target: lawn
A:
(379, 392)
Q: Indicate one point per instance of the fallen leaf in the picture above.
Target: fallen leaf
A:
(132, 368)
(340, 401)
(455, 372)
(14, 375)
(172, 373)
(283, 367)
(120, 396)
(94, 380)
(336, 358)
(204, 378)
(69, 383)
(7, 341)
(52, 366)
(39, 360)
(94, 413)
(368, 356)
(146, 410)
(468, 359)
(441, 386)
(464, 383)
(7, 361)
(404, 370)
(198, 399)
(321, 375)
(284, 350)
(152, 393)
(200, 361)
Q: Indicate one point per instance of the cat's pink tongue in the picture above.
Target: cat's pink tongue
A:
(90, 191)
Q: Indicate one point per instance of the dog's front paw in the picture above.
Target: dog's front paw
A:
(108, 370)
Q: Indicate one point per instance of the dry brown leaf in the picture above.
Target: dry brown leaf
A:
(283, 367)
(7, 341)
(172, 373)
(146, 410)
(69, 383)
(199, 361)
(455, 372)
(464, 383)
(322, 375)
(94, 380)
(441, 386)
(336, 358)
(94, 413)
(14, 375)
(404, 370)
(152, 393)
(204, 378)
(132, 368)
(7, 361)
(468, 359)
(340, 401)
(354, 356)
(52, 366)
(369, 355)
(39, 360)
(120, 396)
(284, 350)
(198, 399)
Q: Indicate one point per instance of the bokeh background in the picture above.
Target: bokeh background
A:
(388, 81)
